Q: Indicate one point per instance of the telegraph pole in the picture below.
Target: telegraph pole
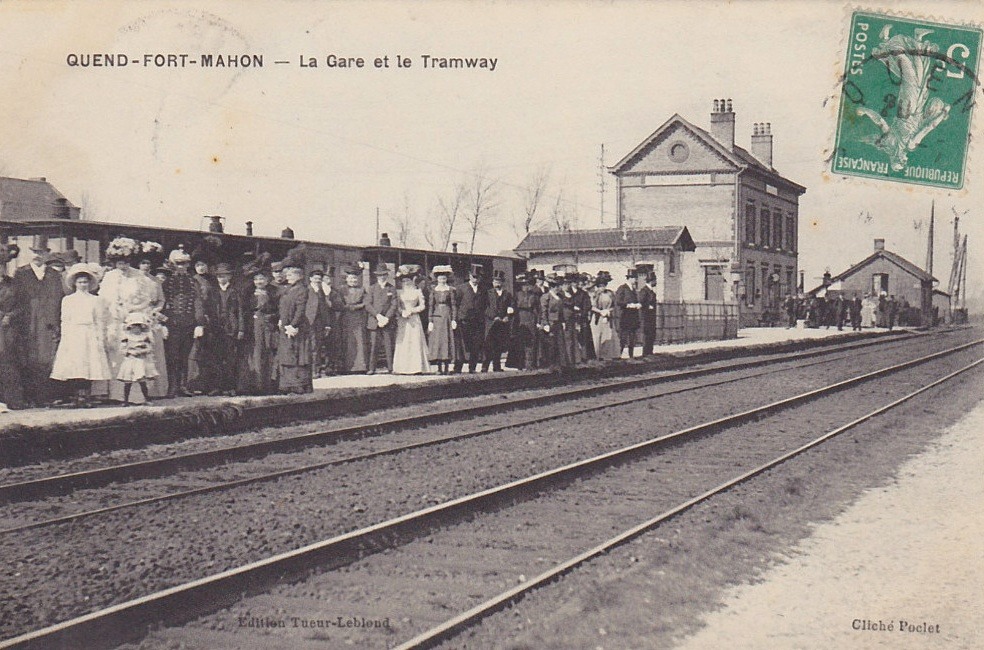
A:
(601, 182)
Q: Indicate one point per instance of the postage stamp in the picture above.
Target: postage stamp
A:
(908, 94)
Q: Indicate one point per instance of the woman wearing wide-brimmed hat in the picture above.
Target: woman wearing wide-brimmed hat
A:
(81, 357)
(604, 336)
(410, 350)
(126, 290)
(443, 314)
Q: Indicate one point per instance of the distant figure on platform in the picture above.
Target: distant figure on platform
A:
(381, 308)
(869, 311)
(893, 311)
(881, 317)
(472, 302)
(317, 316)
(789, 306)
(227, 329)
(627, 315)
(443, 320)
(81, 356)
(331, 334)
(855, 307)
(410, 352)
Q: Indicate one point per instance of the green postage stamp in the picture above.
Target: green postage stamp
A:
(908, 93)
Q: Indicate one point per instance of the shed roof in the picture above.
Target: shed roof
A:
(608, 239)
(32, 198)
(894, 258)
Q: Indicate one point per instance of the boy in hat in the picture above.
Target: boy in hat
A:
(498, 317)
(472, 302)
(39, 297)
(381, 305)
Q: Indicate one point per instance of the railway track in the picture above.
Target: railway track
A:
(424, 442)
(64, 483)
(179, 603)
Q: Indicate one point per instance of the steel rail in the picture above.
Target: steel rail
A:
(452, 627)
(126, 621)
(482, 431)
(65, 483)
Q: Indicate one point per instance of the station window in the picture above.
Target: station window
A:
(750, 285)
(791, 233)
(766, 220)
(750, 223)
(777, 230)
(879, 283)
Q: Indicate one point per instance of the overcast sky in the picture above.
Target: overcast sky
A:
(320, 149)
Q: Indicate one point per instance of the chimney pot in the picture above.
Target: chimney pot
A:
(723, 124)
(454, 247)
(384, 240)
(215, 223)
(762, 142)
(879, 244)
(287, 233)
(249, 228)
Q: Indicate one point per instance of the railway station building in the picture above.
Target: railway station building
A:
(742, 213)
(888, 272)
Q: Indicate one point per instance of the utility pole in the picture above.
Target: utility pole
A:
(929, 244)
(376, 242)
(601, 182)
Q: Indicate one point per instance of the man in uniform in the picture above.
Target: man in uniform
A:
(183, 309)
(381, 305)
(649, 315)
(627, 303)
(472, 302)
(499, 312)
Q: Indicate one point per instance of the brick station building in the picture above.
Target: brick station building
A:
(742, 213)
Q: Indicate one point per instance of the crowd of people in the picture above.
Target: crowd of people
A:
(839, 310)
(77, 334)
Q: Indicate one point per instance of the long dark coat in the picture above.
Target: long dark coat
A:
(40, 328)
(294, 353)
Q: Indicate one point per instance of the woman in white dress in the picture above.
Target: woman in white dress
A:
(410, 352)
(869, 309)
(81, 356)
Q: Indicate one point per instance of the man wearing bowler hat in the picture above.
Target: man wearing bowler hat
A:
(649, 314)
(225, 332)
(381, 303)
(39, 294)
(498, 317)
(472, 302)
(627, 301)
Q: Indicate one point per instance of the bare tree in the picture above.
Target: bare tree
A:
(560, 211)
(534, 193)
(403, 222)
(439, 230)
(87, 209)
(482, 202)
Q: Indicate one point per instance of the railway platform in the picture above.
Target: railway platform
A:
(65, 431)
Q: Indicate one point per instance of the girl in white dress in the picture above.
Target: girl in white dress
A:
(81, 356)
(410, 352)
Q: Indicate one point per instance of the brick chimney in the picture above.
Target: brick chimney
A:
(879, 244)
(723, 123)
(762, 142)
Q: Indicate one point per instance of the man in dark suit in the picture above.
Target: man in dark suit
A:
(381, 303)
(226, 329)
(649, 314)
(627, 302)
(472, 302)
(39, 294)
(498, 316)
